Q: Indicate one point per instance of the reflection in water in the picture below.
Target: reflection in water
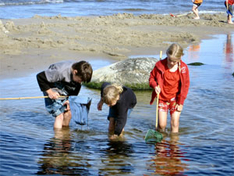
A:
(193, 52)
(168, 158)
(57, 157)
(116, 160)
(228, 51)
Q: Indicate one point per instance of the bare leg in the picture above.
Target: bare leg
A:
(58, 123)
(162, 120)
(175, 118)
(62, 120)
(229, 19)
(111, 128)
(174, 137)
(63, 133)
(195, 11)
(67, 118)
(121, 134)
(58, 133)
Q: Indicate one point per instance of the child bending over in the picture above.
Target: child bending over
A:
(62, 79)
(121, 101)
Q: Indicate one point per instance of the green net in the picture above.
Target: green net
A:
(153, 136)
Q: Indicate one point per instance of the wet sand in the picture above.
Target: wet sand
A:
(30, 45)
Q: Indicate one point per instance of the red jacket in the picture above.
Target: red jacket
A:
(230, 2)
(157, 78)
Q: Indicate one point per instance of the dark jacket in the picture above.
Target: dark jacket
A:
(59, 76)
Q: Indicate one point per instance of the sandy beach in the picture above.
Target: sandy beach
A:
(30, 45)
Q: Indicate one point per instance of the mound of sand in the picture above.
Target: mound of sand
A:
(42, 40)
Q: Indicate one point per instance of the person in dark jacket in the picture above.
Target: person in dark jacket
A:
(63, 79)
(121, 101)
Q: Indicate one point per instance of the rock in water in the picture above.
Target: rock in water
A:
(132, 72)
(196, 64)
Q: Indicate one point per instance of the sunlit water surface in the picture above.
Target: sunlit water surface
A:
(30, 146)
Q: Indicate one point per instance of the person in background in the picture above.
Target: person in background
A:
(228, 4)
(170, 78)
(196, 4)
(63, 79)
(121, 101)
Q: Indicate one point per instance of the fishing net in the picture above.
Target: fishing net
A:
(153, 136)
(80, 109)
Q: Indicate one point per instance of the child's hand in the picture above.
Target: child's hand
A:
(99, 105)
(157, 90)
(179, 108)
(52, 94)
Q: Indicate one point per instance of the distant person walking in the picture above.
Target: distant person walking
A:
(196, 4)
(228, 4)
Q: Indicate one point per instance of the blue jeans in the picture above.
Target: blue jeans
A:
(54, 107)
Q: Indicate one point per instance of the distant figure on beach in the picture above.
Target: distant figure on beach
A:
(62, 79)
(170, 78)
(121, 101)
(196, 4)
(228, 4)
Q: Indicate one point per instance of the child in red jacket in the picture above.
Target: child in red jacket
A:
(170, 78)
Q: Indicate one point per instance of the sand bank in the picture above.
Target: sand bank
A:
(30, 45)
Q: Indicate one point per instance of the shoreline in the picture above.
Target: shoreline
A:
(31, 45)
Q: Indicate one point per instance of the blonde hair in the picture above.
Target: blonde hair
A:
(111, 92)
(175, 51)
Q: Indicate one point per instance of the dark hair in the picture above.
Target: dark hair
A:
(84, 70)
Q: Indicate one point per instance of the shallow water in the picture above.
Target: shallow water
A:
(29, 146)
(10, 9)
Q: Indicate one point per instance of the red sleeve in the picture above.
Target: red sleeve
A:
(152, 78)
(185, 89)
